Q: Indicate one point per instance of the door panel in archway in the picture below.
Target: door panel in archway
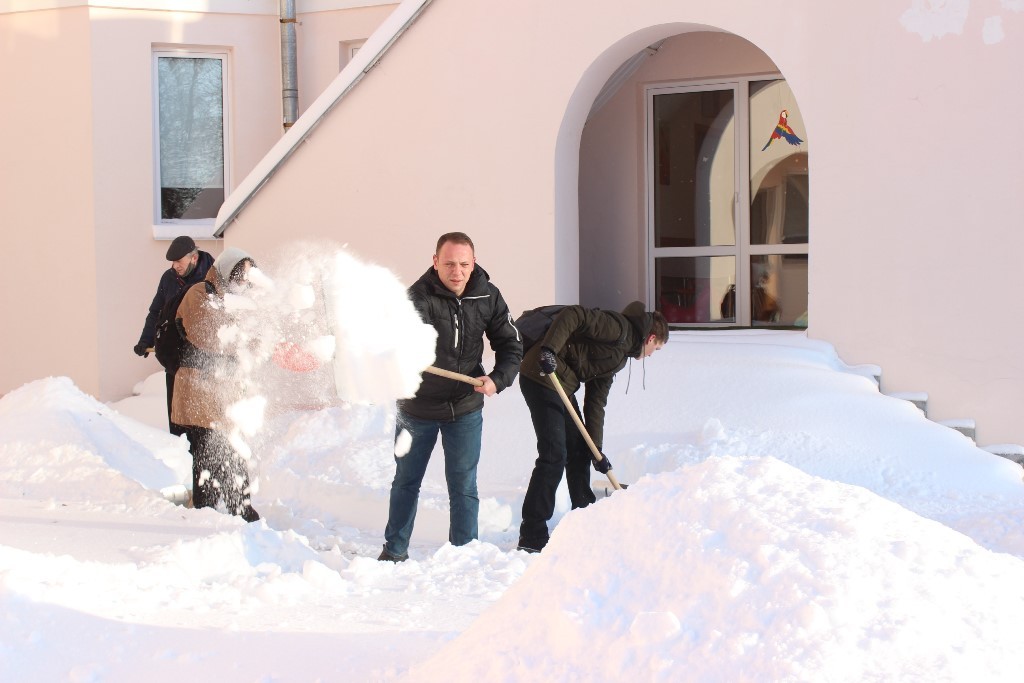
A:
(726, 252)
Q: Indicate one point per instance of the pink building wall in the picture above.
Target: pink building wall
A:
(319, 36)
(49, 295)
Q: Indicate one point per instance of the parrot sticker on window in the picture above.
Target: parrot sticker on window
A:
(783, 131)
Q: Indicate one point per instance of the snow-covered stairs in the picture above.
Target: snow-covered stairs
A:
(965, 426)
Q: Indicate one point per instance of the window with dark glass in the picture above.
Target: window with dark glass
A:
(190, 124)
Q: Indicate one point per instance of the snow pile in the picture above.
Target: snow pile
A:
(60, 444)
(784, 396)
(746, 568)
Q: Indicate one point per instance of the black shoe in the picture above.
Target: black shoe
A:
(249, 514)
(532, 548)
(385, 556)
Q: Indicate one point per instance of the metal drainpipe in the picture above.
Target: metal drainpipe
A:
(289, 69)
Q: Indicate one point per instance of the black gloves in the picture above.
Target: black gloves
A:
(141, 350)
(602, 465)
(548, 361)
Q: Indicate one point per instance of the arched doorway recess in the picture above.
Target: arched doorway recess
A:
(694, 187)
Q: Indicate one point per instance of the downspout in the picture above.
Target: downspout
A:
(368, 57)
(289, 68)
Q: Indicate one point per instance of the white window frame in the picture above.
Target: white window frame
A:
(202, 228)
(742, 249)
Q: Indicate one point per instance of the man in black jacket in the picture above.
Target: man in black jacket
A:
(189, 265)
(456, 296)
(582, 346)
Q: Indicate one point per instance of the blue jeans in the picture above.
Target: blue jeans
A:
(460, 439)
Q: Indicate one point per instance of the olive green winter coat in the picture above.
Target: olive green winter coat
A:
(592, 345)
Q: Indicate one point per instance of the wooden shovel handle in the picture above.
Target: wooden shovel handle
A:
(454, 375)
(583, 430)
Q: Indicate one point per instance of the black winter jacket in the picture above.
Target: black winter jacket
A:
(592, 345)
(169, 287)
(461, 324)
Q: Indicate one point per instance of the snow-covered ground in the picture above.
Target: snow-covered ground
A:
(784, 521)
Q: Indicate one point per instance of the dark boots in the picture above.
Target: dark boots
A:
(385, 556)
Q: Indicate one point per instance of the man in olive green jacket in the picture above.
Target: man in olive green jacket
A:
(582, 347)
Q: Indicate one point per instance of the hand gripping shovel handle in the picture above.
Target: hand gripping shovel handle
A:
(583, 429)
(454, 375)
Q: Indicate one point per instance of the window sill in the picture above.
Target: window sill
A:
(197, 230)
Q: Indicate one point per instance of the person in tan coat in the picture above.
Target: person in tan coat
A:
(207, 383)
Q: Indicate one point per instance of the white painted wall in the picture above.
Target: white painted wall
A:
(474, 120)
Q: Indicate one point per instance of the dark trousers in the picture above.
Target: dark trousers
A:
(560, 447)
(175, 429)
(219, 475)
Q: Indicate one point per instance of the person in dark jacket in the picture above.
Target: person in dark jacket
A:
(456, 297)
(582, 347)
(189, 265)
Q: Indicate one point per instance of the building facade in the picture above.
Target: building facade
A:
(848, 169)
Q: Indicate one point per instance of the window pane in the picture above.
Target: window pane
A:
(778, 166)
(191, 123)
(695, 290)
(694, 158)
(778, 291)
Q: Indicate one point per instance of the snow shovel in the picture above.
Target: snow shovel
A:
(454, 375)
(583, 430)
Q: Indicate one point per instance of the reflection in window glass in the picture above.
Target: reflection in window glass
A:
(694, 158)
(191, 125)
(778, 290)
(695, 289)
(794, 225)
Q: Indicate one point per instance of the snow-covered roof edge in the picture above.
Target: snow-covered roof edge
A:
(369, 54)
